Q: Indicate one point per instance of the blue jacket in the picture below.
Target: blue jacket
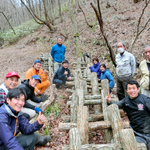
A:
(95, 68)
(7, 127)
(58, 53)
(106, 74)
(60, 74)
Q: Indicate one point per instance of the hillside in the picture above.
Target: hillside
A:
(120, 21)
(118, 25)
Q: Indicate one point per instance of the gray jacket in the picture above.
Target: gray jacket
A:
(126, 64)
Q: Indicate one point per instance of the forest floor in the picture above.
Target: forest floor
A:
(119, 25)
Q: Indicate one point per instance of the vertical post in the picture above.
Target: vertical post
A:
(95, 90)
(82, 123)
(104, 93)
(74, 139)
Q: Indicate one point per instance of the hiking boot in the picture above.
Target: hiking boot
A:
(43, 140)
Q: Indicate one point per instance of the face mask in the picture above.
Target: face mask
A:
(120, 50)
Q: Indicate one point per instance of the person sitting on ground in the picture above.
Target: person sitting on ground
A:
(137, 107)
(36, 70)
(32, 103)
(95, 67)
(62, 74)
(12, 121)
(106, 74)
(10, 82)
(58, 53)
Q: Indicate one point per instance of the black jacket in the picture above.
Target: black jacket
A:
(60, 74)
(138, 111)
(29, 93)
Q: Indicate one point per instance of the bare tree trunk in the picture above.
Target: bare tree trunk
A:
(60, 15)
(138, 32)
(75, 28)
(8, 21)
(100, 20)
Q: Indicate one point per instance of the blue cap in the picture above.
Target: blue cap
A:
(37, 61)
(36, 77)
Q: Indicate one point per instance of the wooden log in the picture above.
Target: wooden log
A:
(95, 90)
(80, 93)
(141, 146)
(128, 140)
(69, 90)
(88, 97)
(116, 122)
(99, 125)
(70, 84)
(104, 93)
(73, 107)
(66, 126)
(74, 139)
(93, 101)
(91, 118)
(82, 123)
(83, 85)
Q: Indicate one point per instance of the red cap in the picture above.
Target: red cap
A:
(11, 74)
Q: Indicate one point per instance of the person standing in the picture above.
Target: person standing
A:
(145, 72)
(125, 68)
(58, 53)
(36, 70)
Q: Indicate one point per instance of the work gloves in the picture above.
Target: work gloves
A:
(37, 109)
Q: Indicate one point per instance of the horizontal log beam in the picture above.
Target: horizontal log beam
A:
(94, 101)
(140, 146)
(100, 125)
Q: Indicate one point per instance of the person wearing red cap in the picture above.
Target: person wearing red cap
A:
(10, 82)
(36, 70)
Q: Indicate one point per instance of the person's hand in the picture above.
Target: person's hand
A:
(88, 65)
(66, 72)
(38, 92)
(37, 109)
(69, 78)
(45, 71)
(108, 98)
(99, 79)
(41, 118)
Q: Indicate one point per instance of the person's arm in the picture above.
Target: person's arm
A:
(111, 80)
(52, 52)
(28, 105)
(2, 96)
(7, 137)
(28, 74)
(133, 65)
(61, 75)
(43, 75)
(119, 103)
(27, 128)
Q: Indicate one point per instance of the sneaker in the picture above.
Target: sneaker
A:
(43, 140)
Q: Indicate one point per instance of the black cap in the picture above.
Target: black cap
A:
(65, 61)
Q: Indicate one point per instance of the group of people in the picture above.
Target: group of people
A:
(19, 103)
(135, 103)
